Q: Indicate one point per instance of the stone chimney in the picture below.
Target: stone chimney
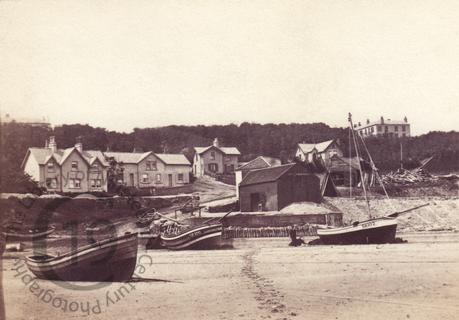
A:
(382, 120)
(368, 121)
(405, 119)
(79, 144)
(360, 124)
(52, 144)
(216, 143)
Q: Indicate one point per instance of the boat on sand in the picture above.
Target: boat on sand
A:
(111, 260)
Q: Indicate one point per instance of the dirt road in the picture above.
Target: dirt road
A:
(264, 279)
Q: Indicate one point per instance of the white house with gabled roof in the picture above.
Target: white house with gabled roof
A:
(215, 159)
(66, 170)
(324, 150)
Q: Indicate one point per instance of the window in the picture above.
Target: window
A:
(386, 129)
(50, 166)
(212, 155)
(180, 177)
(378, 128)
(151, 165)
(227, 158)
(74, 183)
(51, 183)
(404, 135)
(145, 178)
(95, 167)
(403, 128)
(96, 183)
(158, 178)
(396, 128)
(74, 165)
(213, 167)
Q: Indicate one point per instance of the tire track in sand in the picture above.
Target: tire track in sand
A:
(269, 299)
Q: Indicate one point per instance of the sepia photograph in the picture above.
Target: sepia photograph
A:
(229, 159)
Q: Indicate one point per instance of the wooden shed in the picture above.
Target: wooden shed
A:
(271, 189)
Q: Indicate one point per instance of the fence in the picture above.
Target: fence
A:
(267, 232)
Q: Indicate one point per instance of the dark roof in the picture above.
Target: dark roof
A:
(266, 174)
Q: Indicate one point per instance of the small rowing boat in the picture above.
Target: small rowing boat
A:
(28, 236)
(110, 260)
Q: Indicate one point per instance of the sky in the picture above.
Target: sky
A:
(127, 64)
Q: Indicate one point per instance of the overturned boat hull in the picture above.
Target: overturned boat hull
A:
(108, 260)
(373, 231)
(202, 237)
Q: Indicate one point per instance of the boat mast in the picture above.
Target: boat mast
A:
(350, 167)
(362, 178)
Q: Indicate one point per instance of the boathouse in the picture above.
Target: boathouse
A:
(271, 189)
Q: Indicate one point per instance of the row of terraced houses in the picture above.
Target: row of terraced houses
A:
(78, 170)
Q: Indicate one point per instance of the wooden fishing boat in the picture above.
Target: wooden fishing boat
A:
(372, 231)
(27, 236)
(109, 260)
(201, 237)
(380, 230)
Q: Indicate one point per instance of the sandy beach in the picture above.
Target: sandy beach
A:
(259, 279)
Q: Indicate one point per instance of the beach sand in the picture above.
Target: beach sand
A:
(260, 279)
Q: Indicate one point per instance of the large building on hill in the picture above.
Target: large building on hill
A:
(67, 170)
(384, 127)
(31, 121)
(215, 159)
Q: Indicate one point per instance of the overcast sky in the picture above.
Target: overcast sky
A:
(126, 64)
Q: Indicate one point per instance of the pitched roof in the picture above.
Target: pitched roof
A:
(128, 157)
(93, 155)
(260, 162)
(230, 150)
(320, 147)
(266, 174)
(306, 147)
(174, 159)
(225, 150)
(43, 155)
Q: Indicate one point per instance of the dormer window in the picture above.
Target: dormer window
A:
(74, 165)
(50, 166)
(212, 155)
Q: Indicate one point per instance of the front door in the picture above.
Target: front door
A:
(170, 180)
(131, 179)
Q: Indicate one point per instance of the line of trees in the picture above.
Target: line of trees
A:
(252, 139)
